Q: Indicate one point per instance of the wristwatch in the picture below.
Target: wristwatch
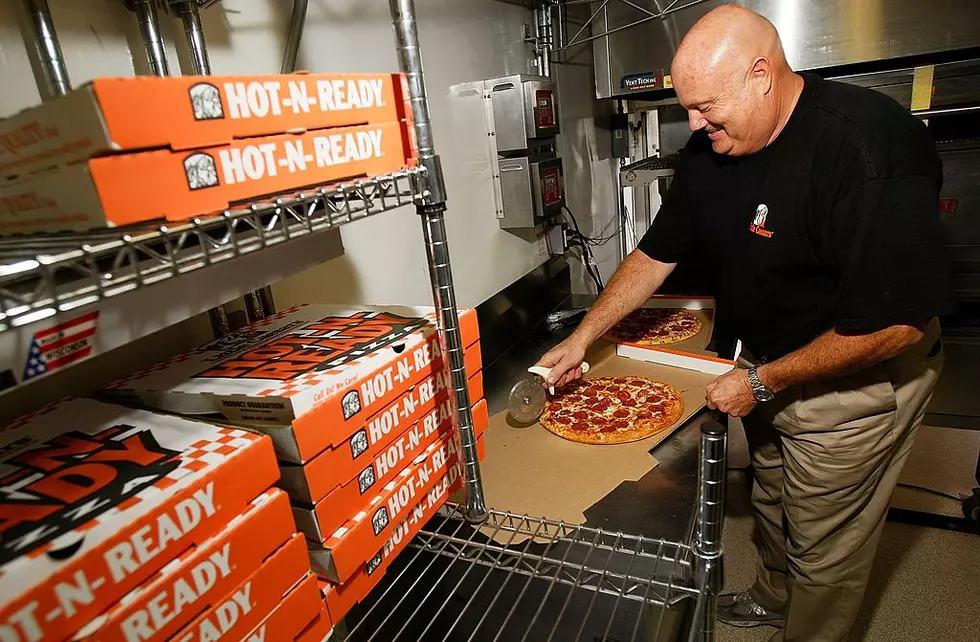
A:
(762, 394)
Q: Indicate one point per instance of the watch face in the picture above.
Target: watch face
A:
(764, 395)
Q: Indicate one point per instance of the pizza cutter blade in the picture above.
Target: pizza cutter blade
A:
(527, 397)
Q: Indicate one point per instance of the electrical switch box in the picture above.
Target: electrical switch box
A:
(523, 121)
(532, 191)
(525, 111)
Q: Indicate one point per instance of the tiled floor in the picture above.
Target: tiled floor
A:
(925, 586)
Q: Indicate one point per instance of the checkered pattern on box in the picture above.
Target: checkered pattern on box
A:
(296, 385)
(201, 455)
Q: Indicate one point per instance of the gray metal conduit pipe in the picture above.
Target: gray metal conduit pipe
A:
(297, 22)
(53, 67)
(149, 25)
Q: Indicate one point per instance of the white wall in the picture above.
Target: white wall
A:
(462, 41)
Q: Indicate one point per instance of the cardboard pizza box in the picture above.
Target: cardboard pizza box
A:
(97, 498)
(354, 543)
(244, 608)
(300, 614)
(319, 630)
(392, 436)
(309, 377)
(530, 470)
(702, 307)
(334, 510)
(110, 115)
(341, 598)
(199, 578)
(111, 191)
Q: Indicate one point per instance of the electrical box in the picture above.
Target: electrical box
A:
(523, 120)
(525, 111)
(532, 191)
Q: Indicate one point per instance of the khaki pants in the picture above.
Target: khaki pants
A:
(826, 458)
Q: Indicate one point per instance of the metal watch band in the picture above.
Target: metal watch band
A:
(758, 388)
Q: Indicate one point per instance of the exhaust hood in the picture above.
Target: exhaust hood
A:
(816, 34)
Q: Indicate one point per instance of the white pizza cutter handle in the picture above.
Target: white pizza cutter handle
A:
(543, 372)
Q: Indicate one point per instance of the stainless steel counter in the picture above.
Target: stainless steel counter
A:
(658, 505)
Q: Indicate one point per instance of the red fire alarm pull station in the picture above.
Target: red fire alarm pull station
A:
(544, 109)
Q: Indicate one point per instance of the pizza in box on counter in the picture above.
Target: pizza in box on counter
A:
(310, 376)
(95, 499)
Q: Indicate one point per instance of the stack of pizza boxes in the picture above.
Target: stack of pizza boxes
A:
(123, 524)
(119, 151)
(359, 405)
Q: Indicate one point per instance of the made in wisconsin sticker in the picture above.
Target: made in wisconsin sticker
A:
(60, 345)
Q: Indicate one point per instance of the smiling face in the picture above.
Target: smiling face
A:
(731, 75)
(732, 107)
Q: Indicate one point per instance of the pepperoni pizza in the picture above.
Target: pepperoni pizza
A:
(612, 410)
(656, 326)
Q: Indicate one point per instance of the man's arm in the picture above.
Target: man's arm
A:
(636, 280)
(833, 354)
(829, 355)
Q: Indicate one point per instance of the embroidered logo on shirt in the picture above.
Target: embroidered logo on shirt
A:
(759, 222)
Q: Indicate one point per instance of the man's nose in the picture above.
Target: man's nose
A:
(695, 120)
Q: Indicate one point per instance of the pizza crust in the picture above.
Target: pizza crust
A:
(656, 326)
(612, 410)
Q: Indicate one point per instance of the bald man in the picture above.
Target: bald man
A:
(817, 203)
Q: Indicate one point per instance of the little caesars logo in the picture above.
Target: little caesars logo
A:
(759, 221)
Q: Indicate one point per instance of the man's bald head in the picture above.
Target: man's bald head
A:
(731, 74)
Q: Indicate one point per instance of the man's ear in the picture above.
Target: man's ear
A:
(761, 75)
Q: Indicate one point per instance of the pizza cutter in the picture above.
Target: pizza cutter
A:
(527, 397)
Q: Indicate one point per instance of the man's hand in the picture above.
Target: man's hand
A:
(732, 393)
(565, 361)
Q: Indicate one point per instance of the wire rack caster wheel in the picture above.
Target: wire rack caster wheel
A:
(971, 506)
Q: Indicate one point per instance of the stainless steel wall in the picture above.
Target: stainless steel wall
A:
(816, 33)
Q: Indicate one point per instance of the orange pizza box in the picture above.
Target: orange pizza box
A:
(374, 454)
(95, 499)
(110, 115)
(330, 513)
(310, 376)
(243, 608)
(340, 553)
(199, 578)
(162, 184)
(319, 630)
(340, 598)
(300, 613)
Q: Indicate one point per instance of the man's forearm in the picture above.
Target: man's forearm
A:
(634, 282)
(833, 354)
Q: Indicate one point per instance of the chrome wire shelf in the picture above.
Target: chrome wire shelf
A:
(43, 275)
(519, 578)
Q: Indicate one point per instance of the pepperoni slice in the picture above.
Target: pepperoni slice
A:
(621, 413)
(563, 419)
(580, 414)
(623, 395)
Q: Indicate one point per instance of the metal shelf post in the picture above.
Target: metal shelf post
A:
(52, 60)
(709, 521)
(432, 209)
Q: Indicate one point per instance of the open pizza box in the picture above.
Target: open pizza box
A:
(702, 307)
(528, 470)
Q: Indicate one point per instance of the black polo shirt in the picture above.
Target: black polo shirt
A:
(833, 225)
